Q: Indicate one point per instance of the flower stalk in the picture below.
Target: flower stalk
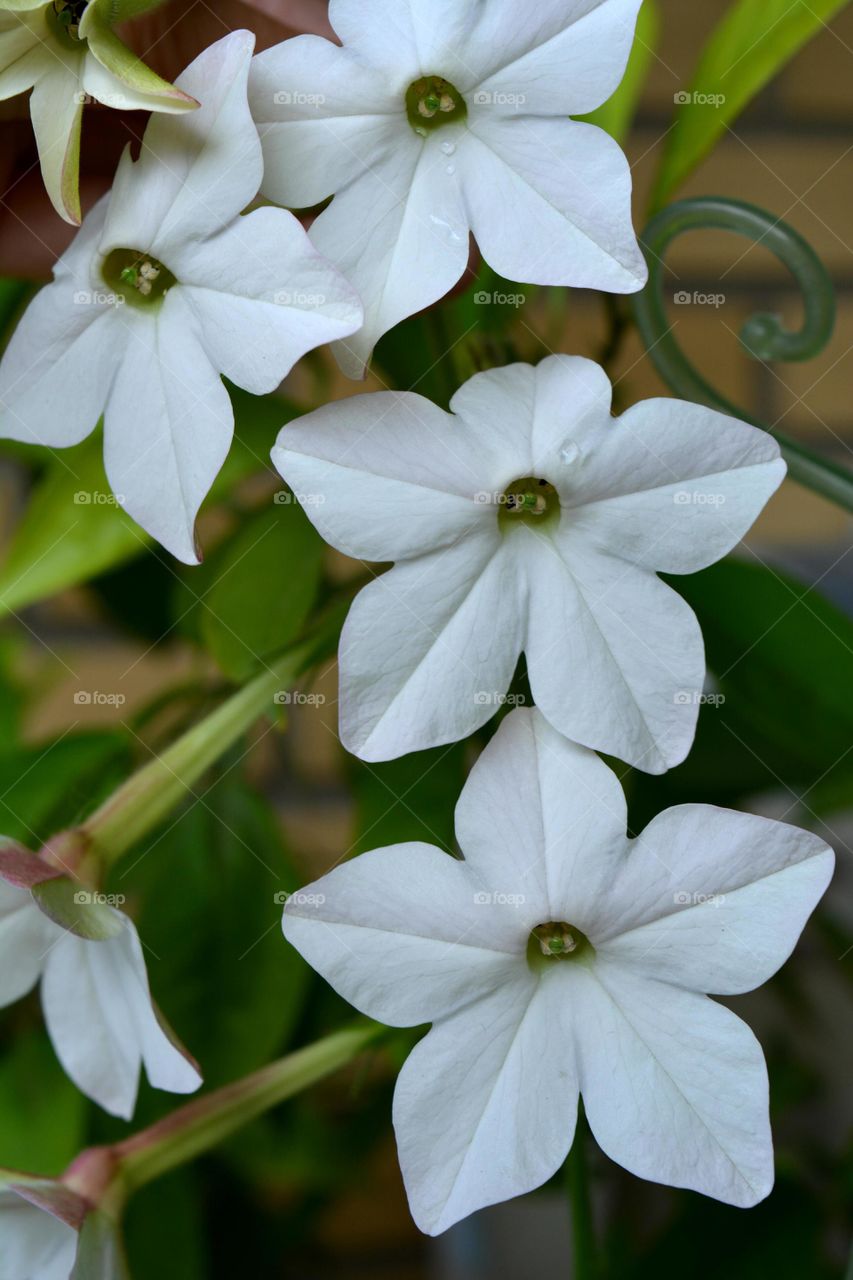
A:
(201, 1125)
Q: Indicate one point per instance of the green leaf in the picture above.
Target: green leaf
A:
(783, 657)
(752, 43)
(73, 530)
(412, 798)
(264, 586)
(33, 1135)
(617, 113)
(230, 986)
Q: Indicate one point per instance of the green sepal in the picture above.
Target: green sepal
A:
(73, 907)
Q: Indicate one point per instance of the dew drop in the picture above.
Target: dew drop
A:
(570, 452)
(450, 170)
(449, 148)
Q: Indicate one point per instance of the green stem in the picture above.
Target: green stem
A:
(109, 1175)
(764, 336)
(150, 795)
(577, 1181)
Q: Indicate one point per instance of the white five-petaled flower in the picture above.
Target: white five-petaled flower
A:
(96, 1001)
(50, 1232)
(560, 958)
(439, 118)
(165, 288)
(527, 520)
(67, 53)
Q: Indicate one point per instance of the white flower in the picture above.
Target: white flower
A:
(165, 288)
(527, 520)
(439, 118)
(36, 1243)
(562, 958)
(96, 1001)
(50, 1232)
(67, 53)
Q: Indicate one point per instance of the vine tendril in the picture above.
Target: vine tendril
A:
(764, 336)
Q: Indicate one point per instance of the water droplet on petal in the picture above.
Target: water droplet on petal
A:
(570, 452)
(451, 169)
(448, 148)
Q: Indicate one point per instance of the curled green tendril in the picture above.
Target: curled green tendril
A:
(764, 336)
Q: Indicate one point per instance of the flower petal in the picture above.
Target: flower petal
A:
(542, 817)
(384, 476)
(485, 1105)
(674, 1085)
(56, 371)
(566, 60)
(24, 939)
(382, 34)
(36, 1245)
(263, 296)
(168, 424)
(714, 900)
(615, 657)
(520, 418)
(98, 1011)
(675, 486)
(550, 203)
(400, 235)
(56, 108)
(399, 933)
(196, 171)
(323, 117)
(428, 649)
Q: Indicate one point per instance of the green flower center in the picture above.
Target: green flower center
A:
(66, 16)
(556, 940)
(433, 101)
(529, 501)
(137, 277)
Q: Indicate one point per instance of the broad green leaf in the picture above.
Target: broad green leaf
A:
(408, 799)
(752, 43)
(264, 585)
(73, 529)
(617, 113)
